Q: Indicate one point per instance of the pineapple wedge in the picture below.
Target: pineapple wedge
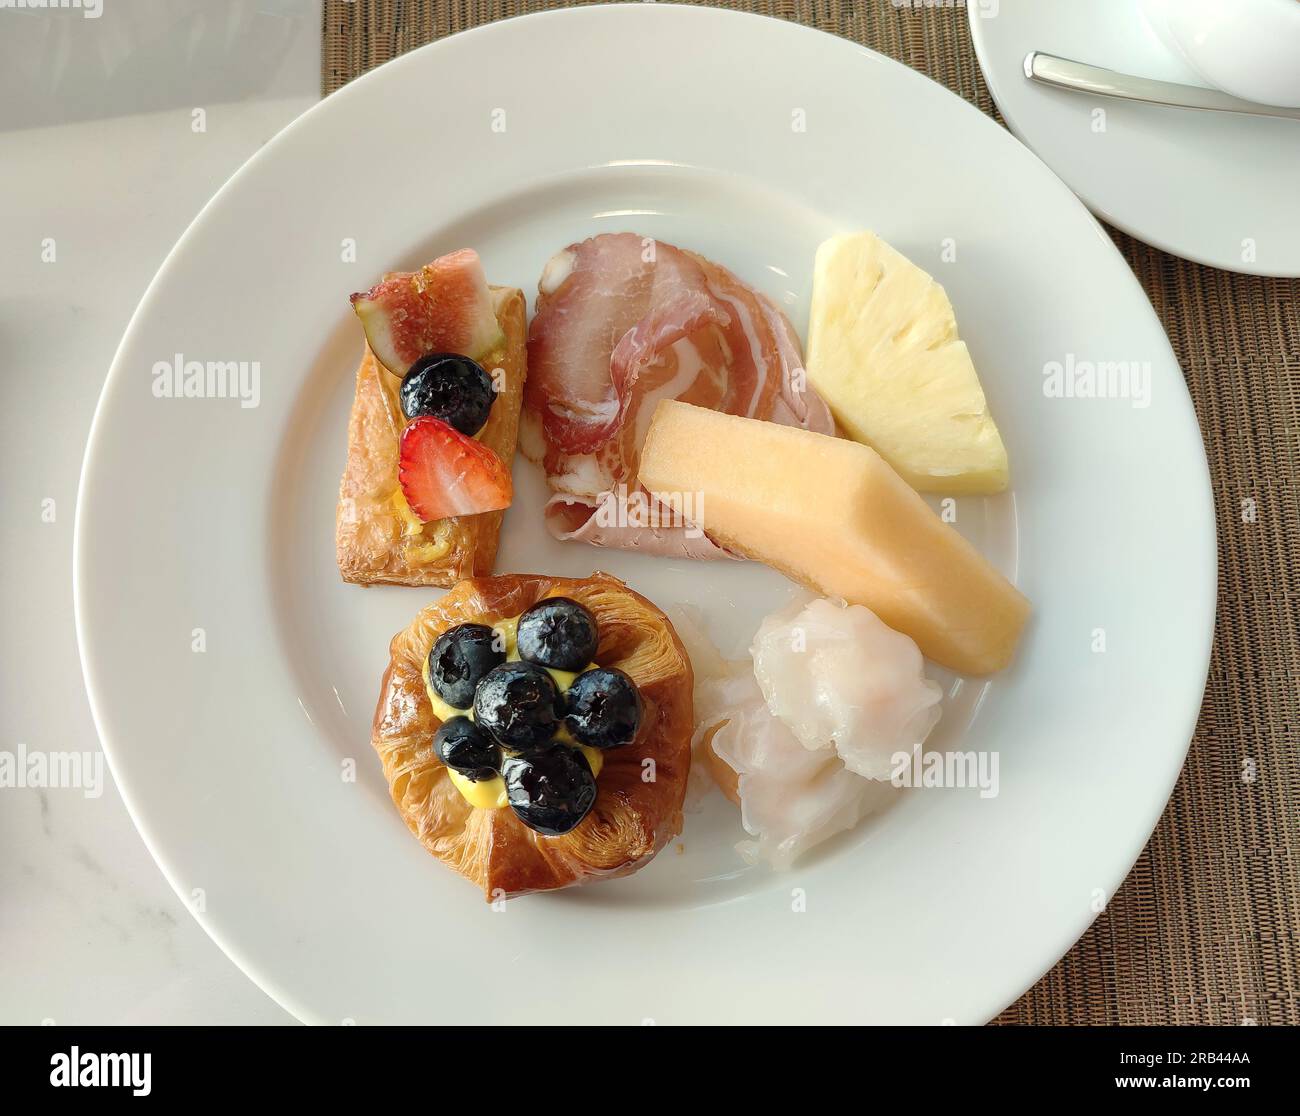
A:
(883, 352)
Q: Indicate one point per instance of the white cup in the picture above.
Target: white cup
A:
(1249, 48)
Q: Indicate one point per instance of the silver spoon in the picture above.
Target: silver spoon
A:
(1063, 73)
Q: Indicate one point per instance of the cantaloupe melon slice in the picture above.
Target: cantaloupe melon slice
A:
(831, 514)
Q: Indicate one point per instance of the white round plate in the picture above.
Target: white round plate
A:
(518, 138)
(1214, 187)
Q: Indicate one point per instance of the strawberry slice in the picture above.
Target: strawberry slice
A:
(444, 473)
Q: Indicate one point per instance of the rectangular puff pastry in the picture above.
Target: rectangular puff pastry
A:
(379, 540)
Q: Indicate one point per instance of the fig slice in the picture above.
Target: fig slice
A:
(445, 307)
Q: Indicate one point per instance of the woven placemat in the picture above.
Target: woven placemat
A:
(1204, 929)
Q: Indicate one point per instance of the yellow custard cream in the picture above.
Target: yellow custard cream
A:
(490, 794)
(421, 547)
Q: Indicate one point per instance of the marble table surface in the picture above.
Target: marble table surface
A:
(102, 171)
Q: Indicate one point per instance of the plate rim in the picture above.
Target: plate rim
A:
(264, 979)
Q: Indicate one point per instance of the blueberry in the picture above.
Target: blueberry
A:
(466, 748)
(519, 704)
(459, 659)
(450, 387)
(557, 632)
(550, 791)
(604, 708)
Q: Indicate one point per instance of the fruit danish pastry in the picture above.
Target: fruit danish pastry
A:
(535, 731)
(434, 426)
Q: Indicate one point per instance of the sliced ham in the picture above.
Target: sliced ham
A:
(621, 322)
(571, 519)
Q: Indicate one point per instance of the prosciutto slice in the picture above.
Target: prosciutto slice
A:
(623, 321)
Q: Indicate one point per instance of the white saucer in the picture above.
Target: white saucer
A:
(1216, 188)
